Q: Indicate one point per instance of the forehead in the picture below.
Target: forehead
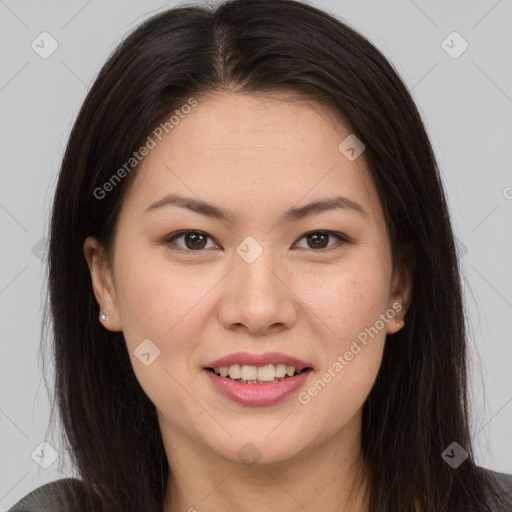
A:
(252, 150)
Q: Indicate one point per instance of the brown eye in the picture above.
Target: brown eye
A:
(194, 241)
(319, 239)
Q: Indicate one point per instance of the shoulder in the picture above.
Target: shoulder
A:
(502, 484)
(61, 495)
(58, 496)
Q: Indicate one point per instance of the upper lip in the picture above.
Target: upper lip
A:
(247, 358)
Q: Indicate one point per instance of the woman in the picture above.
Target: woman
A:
(254, 287)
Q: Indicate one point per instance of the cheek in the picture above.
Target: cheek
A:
(352, 306)
(352, 345)
(350, 303)
(347, 300)
(160, 302)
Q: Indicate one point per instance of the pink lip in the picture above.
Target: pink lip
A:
(247, 358)
(257, 394)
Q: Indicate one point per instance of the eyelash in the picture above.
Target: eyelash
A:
(343, 239)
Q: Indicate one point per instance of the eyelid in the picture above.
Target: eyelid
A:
(343, 239)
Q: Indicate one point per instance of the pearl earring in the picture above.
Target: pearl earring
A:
(104, 317)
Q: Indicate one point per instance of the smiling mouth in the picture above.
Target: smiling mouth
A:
(248, 374)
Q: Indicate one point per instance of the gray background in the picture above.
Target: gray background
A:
(466, 103)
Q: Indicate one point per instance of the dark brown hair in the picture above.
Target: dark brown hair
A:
(418, 405)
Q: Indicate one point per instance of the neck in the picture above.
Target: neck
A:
(329, 476)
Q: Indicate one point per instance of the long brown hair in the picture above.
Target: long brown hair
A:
(418, 405)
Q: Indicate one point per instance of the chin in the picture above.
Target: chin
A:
(264, 450)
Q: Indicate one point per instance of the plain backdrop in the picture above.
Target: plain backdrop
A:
(465, 98)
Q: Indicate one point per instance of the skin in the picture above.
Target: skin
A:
(256, 156)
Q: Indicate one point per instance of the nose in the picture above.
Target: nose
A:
(258, 297)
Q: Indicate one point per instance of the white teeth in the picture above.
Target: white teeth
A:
(280, 370)
(235, 371)
(249, 372)
(267, 373)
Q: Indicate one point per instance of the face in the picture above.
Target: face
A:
(316, 285)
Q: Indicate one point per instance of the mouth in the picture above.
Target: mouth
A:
(267, 374)
(257, 385)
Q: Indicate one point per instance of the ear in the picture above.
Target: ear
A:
(102, 283)
(401, 287)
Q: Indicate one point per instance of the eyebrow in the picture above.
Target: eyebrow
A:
(291, 215)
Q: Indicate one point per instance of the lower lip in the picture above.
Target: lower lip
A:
(257, 394)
